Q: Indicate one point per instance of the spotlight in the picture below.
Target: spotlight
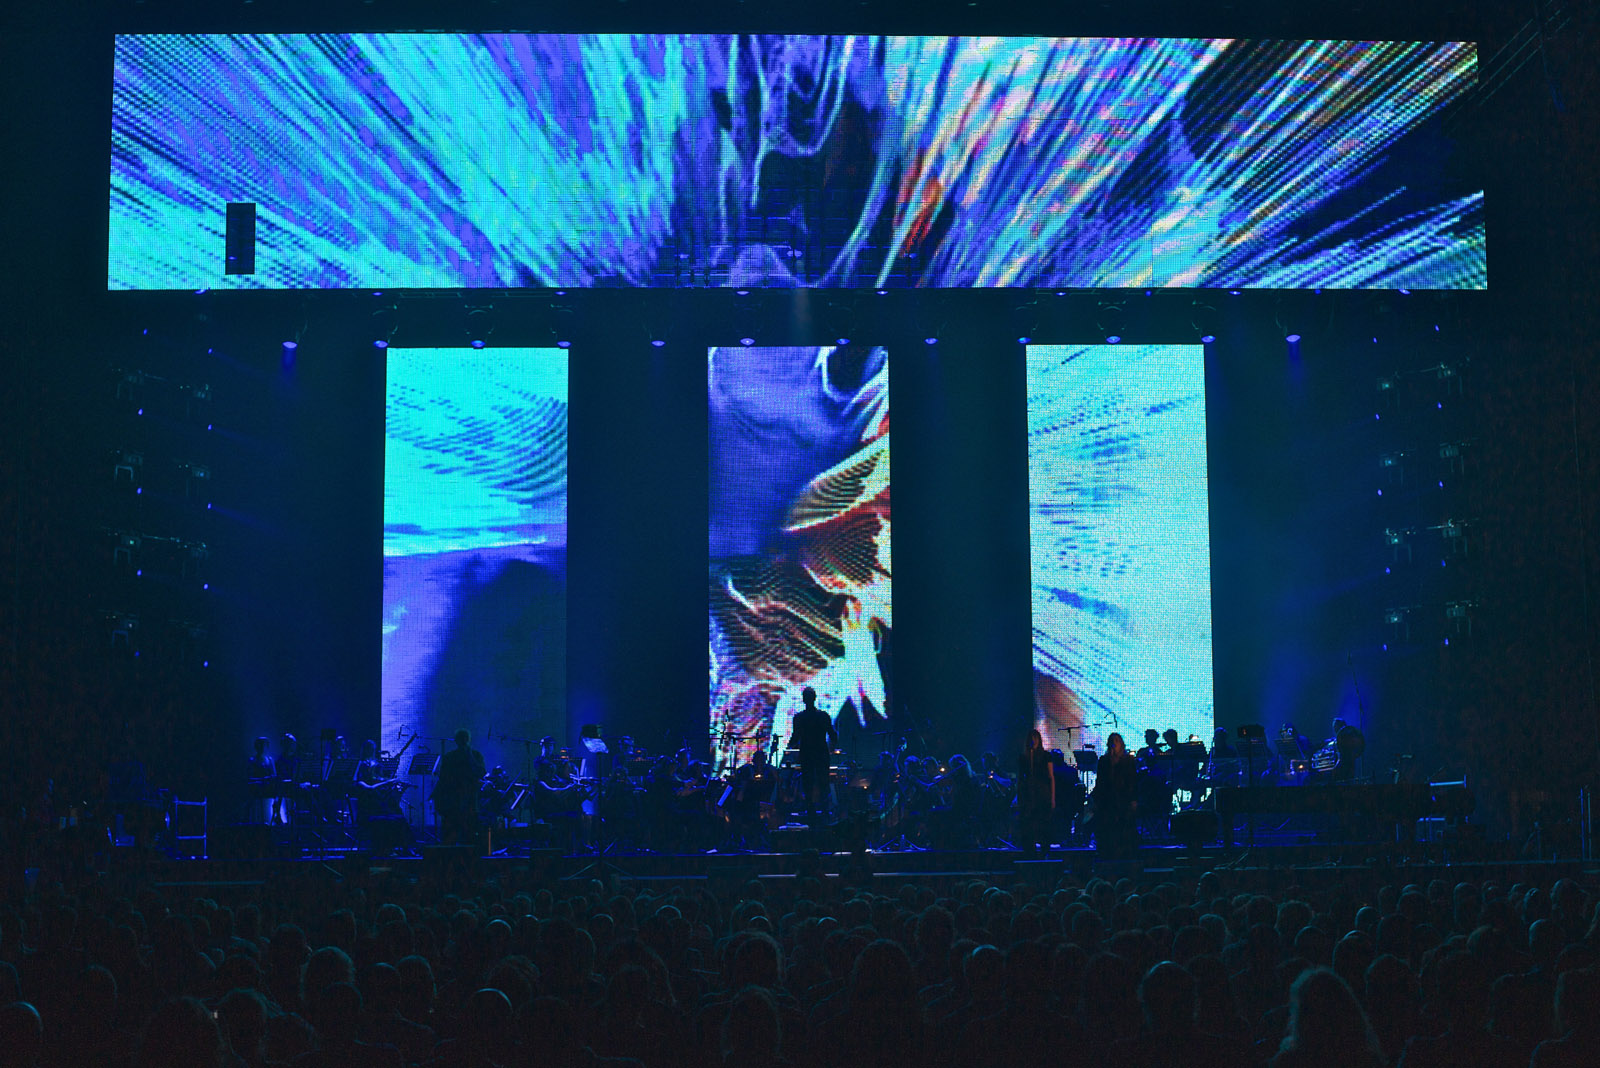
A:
(930, 341)
(658, 343)
(477, 343)
(563, 344)
(1113, 339)
(380, 344)
(747, 341)
(841, 341)
(1293, 339)
(1208, 339)
(290, 346)
(1024, 340)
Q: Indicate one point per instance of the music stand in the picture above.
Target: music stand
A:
(424, 763)
(342, 771)
(1251, 745)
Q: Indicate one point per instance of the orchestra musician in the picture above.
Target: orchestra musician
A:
(1151, 750)
(1349, 743)
(455, 795)
(688, 771)
(260, 775)
(368, 772)
(1036, 793)
(753, 784)
(285, 767)
(1115, 799)
(815, 737)
(552, 776)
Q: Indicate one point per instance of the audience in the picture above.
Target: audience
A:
(1230, 968)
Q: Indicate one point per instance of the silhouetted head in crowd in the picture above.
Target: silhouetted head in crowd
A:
(463, 738)
(752, 1030)
(21, 1035)
(326, 966)
(242, 1014)
(1578, 1002)
(181, 1034)
(1327, 1024)
(1167, 997)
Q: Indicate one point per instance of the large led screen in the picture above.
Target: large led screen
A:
(474, 544)
(459, 160)
(799, 540)
(1119, 536)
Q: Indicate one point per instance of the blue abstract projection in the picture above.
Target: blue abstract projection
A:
(460, 160)
(1120, 541)
(475, 542)
(800, 575)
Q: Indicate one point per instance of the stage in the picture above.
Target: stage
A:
(1310, 867)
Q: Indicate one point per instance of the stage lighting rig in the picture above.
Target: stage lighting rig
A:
(128, 462)
(1393, 465)
(479, 324)
(125, 545)
(130, 383)
(1454, 532)
(197, 478)
(122, 627)
(1398, 539)
(1111, 318)
(196, 401)
(1449, 375)
(1459, 615)
(1453, 453)
(195, 553)
(1398, 619)
(1205, 320)
(385, 322)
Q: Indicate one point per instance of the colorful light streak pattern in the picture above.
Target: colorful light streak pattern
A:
(456, 160)
(799, 539)
(474, 543)
(1120, 541)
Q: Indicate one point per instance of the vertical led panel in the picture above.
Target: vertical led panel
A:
(799, 539)
(475, 543)
(1119, 541)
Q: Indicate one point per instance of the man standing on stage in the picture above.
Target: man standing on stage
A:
(455, 798)
(815, 737)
